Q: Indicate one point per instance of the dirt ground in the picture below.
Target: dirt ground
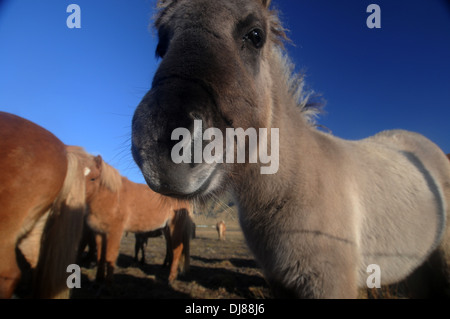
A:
(219, 269)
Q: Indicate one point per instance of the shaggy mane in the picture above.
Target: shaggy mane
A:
(110, 177)
(310, 102)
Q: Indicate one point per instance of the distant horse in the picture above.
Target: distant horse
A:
(317, 211)
(119, 205)
(141, 242)
(221, 228)
(42, 200)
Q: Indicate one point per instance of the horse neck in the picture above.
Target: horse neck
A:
(300, 146)
(148, 200)
(104, 203)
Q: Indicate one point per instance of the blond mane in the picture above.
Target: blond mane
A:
(109, 178)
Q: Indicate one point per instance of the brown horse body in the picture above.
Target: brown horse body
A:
(42, 198)
(119, 205)
(334, 207)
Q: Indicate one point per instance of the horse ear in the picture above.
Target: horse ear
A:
(98, 161)
(266, 3)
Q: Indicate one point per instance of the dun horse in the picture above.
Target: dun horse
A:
(221, 229)
(117, 205)
(335, 206)
(42, 194)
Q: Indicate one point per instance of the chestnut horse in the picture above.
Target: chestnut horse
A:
(118, 205)
(42, 200)
(319, 211)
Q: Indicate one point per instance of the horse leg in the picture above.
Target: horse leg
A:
(177, 252)
(187, 248)
(143, 244)
(137, 245)
(101, 257)
(143, 251)
(92, 247)
(9, 271)
(112, 251)
(169, 256)
(180, 241)
(176, 248)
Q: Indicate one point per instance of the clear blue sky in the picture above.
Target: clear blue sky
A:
(84, 84)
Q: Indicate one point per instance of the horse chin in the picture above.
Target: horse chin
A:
(183, 186)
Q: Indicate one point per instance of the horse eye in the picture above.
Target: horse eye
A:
(256, 36)
(93, 179)
(164, 36)
(161, 50)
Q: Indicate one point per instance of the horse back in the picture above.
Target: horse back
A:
(33, 166)
(143, 209)
(404, 193)
(426, 156)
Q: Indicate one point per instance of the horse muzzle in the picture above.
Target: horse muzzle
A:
(153, 144)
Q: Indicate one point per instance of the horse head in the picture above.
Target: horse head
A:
(215, 68)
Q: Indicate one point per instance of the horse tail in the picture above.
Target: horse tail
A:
(62, 234)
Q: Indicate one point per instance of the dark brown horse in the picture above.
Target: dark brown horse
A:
(118, 205)
(42, 200)
(319, 210)
(142, 241)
